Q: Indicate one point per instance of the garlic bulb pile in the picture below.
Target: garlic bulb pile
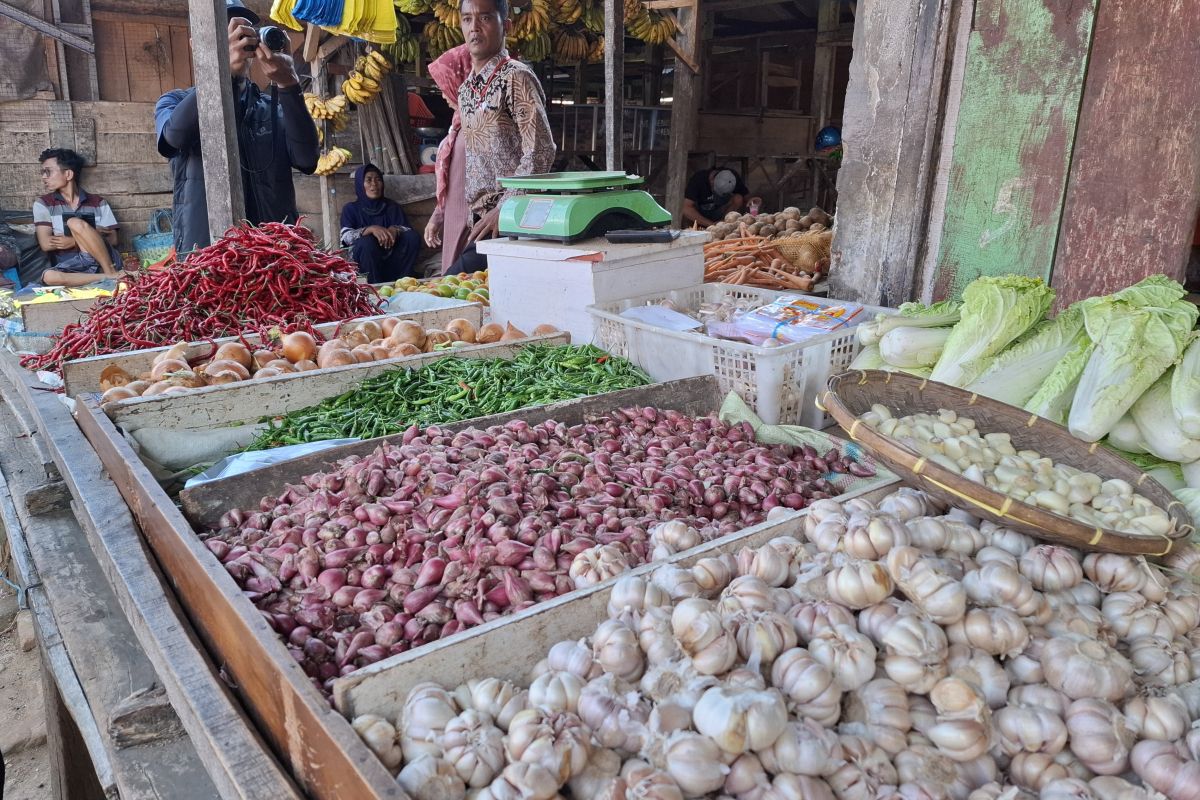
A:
(954, 442)
(884, 651)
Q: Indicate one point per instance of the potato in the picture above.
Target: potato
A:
(755, 229)
(791, 225)
(767, 230)
(792, 211)
(732, 216)
(817, 214)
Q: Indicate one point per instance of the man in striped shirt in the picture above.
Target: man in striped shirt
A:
(77, 229)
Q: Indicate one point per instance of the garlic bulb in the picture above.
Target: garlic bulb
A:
(1027, 667)
(644, 782)
(1114, 573)
(499, 699)
(787, 786)
(474, 747)
(632, 595)
(704, 636)
(713, 573)
(992, 553)
(907, 503)
(1075, 767)
(598, 564)
(996, 584)
(964, 538)
(923, 715)
(1066, 789)
(821, 510)
(1087, 621)
(941, 598)
(1006, 538)
(980, 670)
(600, 776)
(430, 778)
(746, 775)
(1029, 729)
(856, 584)
(928, 533)
(805, 748)
(846, 653)
(656, 638)
(809, 582)
(1163, 718)
(762, 636)
(768, 564)
(810, 616)
(827, 534)
(746, 593)
(996, 631)
(881, 706)
(962, 731)
(677, 582)
(1100, 736)
(1107, 787)
(744, 678)
(864, 772)
(616, 714)
(871, 537)
(520, 780)
(916, 653)
(1182, 608)
(693, 761)
(423, 718)
(1161, 662)
(1080, 667)
(669, 538)
(1085, 593)
(739, 720)
(924, 763)
(1034, 771)
(574, 657)
(1040, 695)
(1131, 616)
(558, 742)
(615, 648)
(1164, 767)
(994, 791)
(555, 691)
(808, 685)
(380, 736)
(1050, 568)
(675, 681)
(874, 621)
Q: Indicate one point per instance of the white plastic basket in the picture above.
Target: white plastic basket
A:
(780, 383)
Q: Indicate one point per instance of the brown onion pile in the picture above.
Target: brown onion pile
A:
(446, 531)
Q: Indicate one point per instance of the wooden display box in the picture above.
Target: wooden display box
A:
(82, 375)
(52, 317)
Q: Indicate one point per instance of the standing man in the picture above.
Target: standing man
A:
(711, 194)
(275, 134)
(77, 229)
(504, 126)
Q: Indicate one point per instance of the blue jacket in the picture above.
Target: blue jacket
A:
(267, 161)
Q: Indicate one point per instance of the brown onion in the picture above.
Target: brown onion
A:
(235, 351)
(167, 366)
(489, 333)
(298, 346)
(462, 330)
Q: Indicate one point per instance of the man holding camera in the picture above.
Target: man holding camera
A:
(275, 134)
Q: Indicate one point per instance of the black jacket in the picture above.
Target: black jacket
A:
(267, 160)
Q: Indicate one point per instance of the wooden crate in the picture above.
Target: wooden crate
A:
(248, 401)
(83, 375)
(52, 317)
(324, 753)
(510, 647)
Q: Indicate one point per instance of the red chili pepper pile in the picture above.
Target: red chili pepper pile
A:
(254, 278)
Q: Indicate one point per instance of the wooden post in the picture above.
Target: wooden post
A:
(207, 21)
(316, 68)
(1134, 185)
(890, 128)
(685, 103)
(654, 74)
(1012, 146)
(828, 17)
(614, 84)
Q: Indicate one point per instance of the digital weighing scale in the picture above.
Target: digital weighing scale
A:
(570, 206)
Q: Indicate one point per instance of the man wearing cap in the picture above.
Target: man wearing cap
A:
(711, 194)
(275, 134)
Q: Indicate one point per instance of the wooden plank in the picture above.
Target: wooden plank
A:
(614, 84)
(508, 648)
(127, 148)
(83, 375)
(114, 117)
(1123, 221)
(143, 52)
(111, 71)
(1025, 67)
(204, 504)
(248, 401)
(22, 148)
(181, 58)
(828, 14)
(53, 317)
(890, 130)
(50, 29)
(685, 104)
(324, 753)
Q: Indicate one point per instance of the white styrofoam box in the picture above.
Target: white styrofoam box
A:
(536, 282)
(780, 383)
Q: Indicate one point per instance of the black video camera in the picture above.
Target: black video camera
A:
(274, 38)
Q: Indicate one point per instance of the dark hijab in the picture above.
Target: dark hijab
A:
(365, 212)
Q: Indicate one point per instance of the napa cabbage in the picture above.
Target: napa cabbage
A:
(1015, 375)
(910, 348)
(910, 315)
(1053, 398)
(1185, 391)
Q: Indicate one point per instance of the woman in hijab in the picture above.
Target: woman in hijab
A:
(376, 229)
(448, 227)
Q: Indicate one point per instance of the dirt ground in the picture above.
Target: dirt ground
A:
(22, 721)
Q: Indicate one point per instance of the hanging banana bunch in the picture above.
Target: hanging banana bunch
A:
(536, 49)
(332, 160)
(651, 27)
(413, 7)
(335, 110)
(404, 50)
(593, 18)
(570, 47)
(533, 21)
(367, 77)
(566, 12)
(633, 10)
(447, 14)
(596, 51)
(439, 38)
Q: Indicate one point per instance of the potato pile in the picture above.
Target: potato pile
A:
(787, 222)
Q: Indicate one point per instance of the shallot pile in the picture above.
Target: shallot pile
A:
(418, 541)
(888, 652)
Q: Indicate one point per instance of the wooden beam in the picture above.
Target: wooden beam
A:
(1134, 184)
(822, 86)
(1016, 127)
(717, 6)
(659, 5)
(890, 130)
(614, 84)
(41, 26)
(312, 41)
(331, 46)
(685, 106)
(207, 22)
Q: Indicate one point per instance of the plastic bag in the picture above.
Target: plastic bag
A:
(789, 319)
(245, 462)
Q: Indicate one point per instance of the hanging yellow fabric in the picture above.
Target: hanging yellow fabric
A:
(281, 12)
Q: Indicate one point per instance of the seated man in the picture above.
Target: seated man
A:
(711, 194)
(77, 229)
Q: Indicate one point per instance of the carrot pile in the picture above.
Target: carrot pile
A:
(252, 279)
(752, 261)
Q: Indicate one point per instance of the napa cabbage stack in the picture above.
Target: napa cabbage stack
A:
(1015, 375)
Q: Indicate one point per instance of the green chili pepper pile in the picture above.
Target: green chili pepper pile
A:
(453, 389)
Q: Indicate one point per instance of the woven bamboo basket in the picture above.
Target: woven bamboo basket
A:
(852, 394)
